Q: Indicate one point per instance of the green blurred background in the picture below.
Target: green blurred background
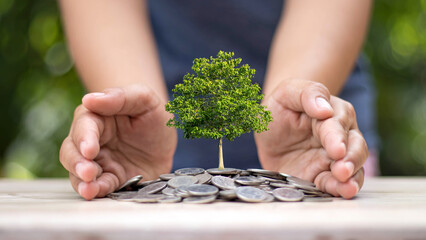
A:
(39, 87)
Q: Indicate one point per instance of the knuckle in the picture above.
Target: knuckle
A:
(318, 87)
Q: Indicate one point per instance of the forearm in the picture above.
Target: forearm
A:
(318, 41)
(112, 44)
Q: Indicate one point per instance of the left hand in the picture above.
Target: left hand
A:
(313, 136)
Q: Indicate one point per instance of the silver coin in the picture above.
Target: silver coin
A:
(146, 183)
(127, 197)
(203, 178)
(300, 181)
(167, 176)
(147, 198)
(264, 172)
(169, 199)
(202, 190)
(130, 183)
(282, 185)
(189, 171)
(115, 195)
(228, 194)
(248, 180)
(288, 194)
(317, 199)
(245, 173)
(266, 188)
(250, 194)
(269, 198)
(285, 175)
(225, 183)
(225, 171)
(182, 181)
(307, 188)
(182, 191)
(168, 191)
(269, 179)
(204, 199)
(153, 188)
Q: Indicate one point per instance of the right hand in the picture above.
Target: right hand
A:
(116, 135)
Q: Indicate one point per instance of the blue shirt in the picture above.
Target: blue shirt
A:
(188, 29)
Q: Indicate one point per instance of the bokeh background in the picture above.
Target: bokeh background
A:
(39, 87)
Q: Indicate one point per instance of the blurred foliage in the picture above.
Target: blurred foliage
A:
(39, 88)
(396, 46)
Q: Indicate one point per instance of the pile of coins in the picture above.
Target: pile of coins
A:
(196, 185)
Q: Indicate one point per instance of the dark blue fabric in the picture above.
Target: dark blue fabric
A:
(188, 29)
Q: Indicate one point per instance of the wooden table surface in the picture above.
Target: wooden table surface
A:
(386, 208)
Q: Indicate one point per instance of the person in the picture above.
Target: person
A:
(131, 53)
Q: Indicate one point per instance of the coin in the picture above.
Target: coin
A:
(169, 199)
(189, 171)
(167, 176)
(281, 185)
(203, 178)
(248, 180)
(252, 185)
(288, 194)
(264, 172)
(269, 198)
(115, 195)
(228, 194)
(153, 188)
(147, 198)
(130, 183)
(182, 191)
(203, 199)
(146, 183)
(250, 194)
(223, 182)
(299, 181)
(168, 191)
(182, 181)
(225, 171)
(202, 190)
(127, 197)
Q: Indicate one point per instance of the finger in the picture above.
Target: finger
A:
(355, 158)
(304, 96)
(132, 100)
(350, 188)
(327, 183)
(88, 190)
(108, 183)
(86, 131)
(76, 164)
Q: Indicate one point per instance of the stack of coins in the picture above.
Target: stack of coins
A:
(196, 185)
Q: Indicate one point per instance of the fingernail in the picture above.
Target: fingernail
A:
(97, 94)
(79, 170)
(80, 187)
(350, 166)
(322, 103)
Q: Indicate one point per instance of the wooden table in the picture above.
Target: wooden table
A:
(386, 208)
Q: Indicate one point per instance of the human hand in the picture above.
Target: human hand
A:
(313, 136)
(114, 136)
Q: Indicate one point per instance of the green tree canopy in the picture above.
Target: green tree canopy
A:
(219, 100)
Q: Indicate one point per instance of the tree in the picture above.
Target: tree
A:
(218, 101)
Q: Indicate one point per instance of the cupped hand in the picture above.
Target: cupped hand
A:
(115, 135)
(313, 136)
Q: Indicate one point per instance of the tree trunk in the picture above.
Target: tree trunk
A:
(221, 166)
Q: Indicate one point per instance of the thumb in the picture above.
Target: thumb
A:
(130, 100)
(300, 95)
